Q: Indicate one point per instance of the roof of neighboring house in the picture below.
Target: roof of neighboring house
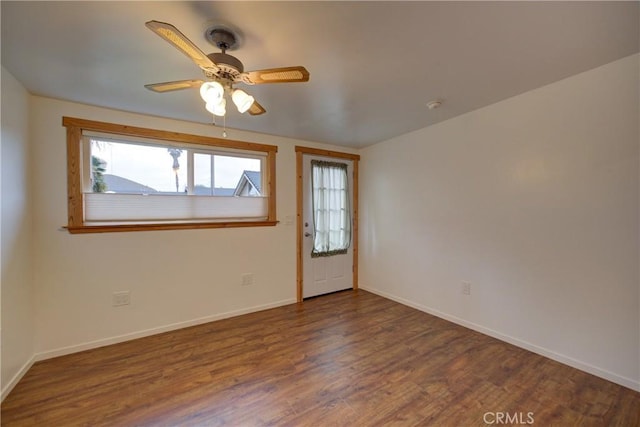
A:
(200, 190)
(219, 191)
(253, 177)
(118, 184)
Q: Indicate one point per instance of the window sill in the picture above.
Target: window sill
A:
(175, 226)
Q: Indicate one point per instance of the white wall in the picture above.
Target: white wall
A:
(176, 278)
(15, 217)
(534, 200)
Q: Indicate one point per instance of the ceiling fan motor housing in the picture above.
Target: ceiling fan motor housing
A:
(224, 39)
(230, 66)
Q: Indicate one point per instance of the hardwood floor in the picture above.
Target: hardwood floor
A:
(344, 359)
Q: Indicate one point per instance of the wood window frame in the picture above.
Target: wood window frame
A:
(75, 220)
(300, 152)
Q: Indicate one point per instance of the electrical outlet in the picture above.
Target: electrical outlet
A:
(247, 279)
(465, 289)
(121, 298)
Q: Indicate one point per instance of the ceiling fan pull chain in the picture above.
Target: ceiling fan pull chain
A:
(224, 126)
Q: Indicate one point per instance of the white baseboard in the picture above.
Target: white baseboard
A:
(153, 331)
(17, 377)
(574, 363)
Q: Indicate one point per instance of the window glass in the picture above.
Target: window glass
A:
(203, 183)
(131, 182)
(138, 169)
(225, 175)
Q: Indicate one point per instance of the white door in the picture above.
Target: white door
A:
(324, 272)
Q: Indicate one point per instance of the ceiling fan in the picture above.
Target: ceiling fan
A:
(221, 70)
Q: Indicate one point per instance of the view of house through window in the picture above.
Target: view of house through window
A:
(139, 182)
(130, 168)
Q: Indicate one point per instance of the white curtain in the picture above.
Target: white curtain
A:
(331, 212)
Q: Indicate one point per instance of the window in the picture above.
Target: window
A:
(331, 213)
(123, 179)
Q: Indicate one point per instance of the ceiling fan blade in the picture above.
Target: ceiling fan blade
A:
(178, 40)
(256, 109)
(275, 75)
(177, 85)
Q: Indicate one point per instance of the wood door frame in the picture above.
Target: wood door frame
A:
(300, 152)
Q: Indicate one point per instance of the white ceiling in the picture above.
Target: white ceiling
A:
(373, 65)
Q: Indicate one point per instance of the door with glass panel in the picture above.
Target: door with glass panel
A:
(327, 219)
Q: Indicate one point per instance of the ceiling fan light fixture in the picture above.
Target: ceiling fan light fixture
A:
(212, 92)
(242, 99)
(217, 108)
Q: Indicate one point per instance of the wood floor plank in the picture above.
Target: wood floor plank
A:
(345, 359)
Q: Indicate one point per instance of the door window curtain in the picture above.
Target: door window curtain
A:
(331, 212)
